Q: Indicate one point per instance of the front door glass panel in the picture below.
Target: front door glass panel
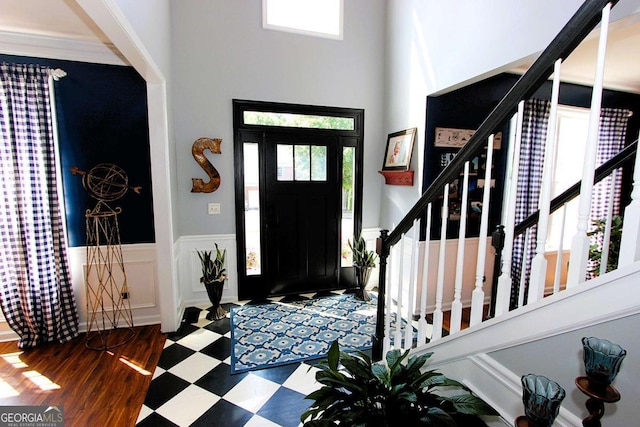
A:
(252, 208)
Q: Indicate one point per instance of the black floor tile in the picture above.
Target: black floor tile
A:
(278, 374)
(173, 354)
(294, 298)
(156, 420)
(163, 388)
(191, 315)
(285, 407)
(184, 330)
(223, 413)
(220, 326)
(220, 348)
(219, 380)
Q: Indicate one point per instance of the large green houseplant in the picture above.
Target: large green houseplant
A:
(357, 392)
(213, 277)
(363, 262)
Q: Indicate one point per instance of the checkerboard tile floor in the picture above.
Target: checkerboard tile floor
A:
(193, 385)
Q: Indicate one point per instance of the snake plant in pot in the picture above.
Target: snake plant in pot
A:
(213, 277)
(357, 392)
(363, 261)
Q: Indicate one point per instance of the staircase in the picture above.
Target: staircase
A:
(532, 326)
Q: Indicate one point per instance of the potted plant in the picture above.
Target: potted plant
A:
(357, 392)
(363, 261)
(595, 250)
(213, 277)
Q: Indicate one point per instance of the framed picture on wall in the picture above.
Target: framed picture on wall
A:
(397, 155)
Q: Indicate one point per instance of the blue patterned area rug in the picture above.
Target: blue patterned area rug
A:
(278, 333)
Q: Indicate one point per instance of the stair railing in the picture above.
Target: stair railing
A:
(579, 26)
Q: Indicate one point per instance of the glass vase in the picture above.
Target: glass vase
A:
(541, 398)
(602, 361)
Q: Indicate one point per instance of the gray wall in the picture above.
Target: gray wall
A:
(220, 52)
(436, 46)
(560, 359)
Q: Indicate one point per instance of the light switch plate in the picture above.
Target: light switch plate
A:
(213, 208)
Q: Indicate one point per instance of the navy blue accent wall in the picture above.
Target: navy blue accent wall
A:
(467, 107)
(102, 118)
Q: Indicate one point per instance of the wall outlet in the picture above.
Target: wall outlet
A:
(213, 208)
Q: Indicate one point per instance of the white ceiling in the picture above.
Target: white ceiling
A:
(63, 18)
(53, 18)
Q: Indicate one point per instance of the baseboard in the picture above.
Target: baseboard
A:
(9, 335)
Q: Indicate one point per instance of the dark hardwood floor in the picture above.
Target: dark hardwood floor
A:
(466, 316)
(96, 388)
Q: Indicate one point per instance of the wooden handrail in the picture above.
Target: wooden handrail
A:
(570, 193)
(577, 28)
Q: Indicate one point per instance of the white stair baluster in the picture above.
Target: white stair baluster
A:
(606, 240)
(386, 342)
(456, 306)
(437, 312)
(559, 255)
(630, 242)
(523, 268)
(422, 323)
(477, 296)
(580, 243)
(539, 262)
(397, 343)
(408, 331)
(504, 281)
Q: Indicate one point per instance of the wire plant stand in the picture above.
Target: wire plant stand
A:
(108, 298)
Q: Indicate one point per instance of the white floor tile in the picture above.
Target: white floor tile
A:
(159, 371)
(194, 367)
(188, 405)
(258, 421)
(303, 380)
(145, 411)
(251, 393)
(197, 340)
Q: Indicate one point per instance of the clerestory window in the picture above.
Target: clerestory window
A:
(321, 18)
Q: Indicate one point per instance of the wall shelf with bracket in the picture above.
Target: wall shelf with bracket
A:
(397, 177)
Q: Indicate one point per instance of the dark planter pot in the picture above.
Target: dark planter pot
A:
(214, 291)
(362, 278)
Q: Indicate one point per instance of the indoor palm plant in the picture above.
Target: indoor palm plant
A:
(357, 392)
(363, 261)
(213, 277)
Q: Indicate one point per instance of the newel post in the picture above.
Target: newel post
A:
(382, 249)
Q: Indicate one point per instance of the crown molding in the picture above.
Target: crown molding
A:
(39, 46)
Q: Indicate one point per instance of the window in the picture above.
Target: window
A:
(322, 18)
(309, 121)
(301, 162)
(572, 128)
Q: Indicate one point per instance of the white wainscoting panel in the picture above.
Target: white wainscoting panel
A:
(140, 267)
(189, 270)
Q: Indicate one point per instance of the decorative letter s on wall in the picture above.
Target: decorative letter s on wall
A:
(199, 145)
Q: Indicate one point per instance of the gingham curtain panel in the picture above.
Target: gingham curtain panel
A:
(36, 295)
(611, 138)
(612, 135)
(534, 135)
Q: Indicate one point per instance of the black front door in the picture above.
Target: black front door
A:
(298, 196)
(302, 215)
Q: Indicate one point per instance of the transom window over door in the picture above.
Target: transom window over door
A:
(295, 204)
